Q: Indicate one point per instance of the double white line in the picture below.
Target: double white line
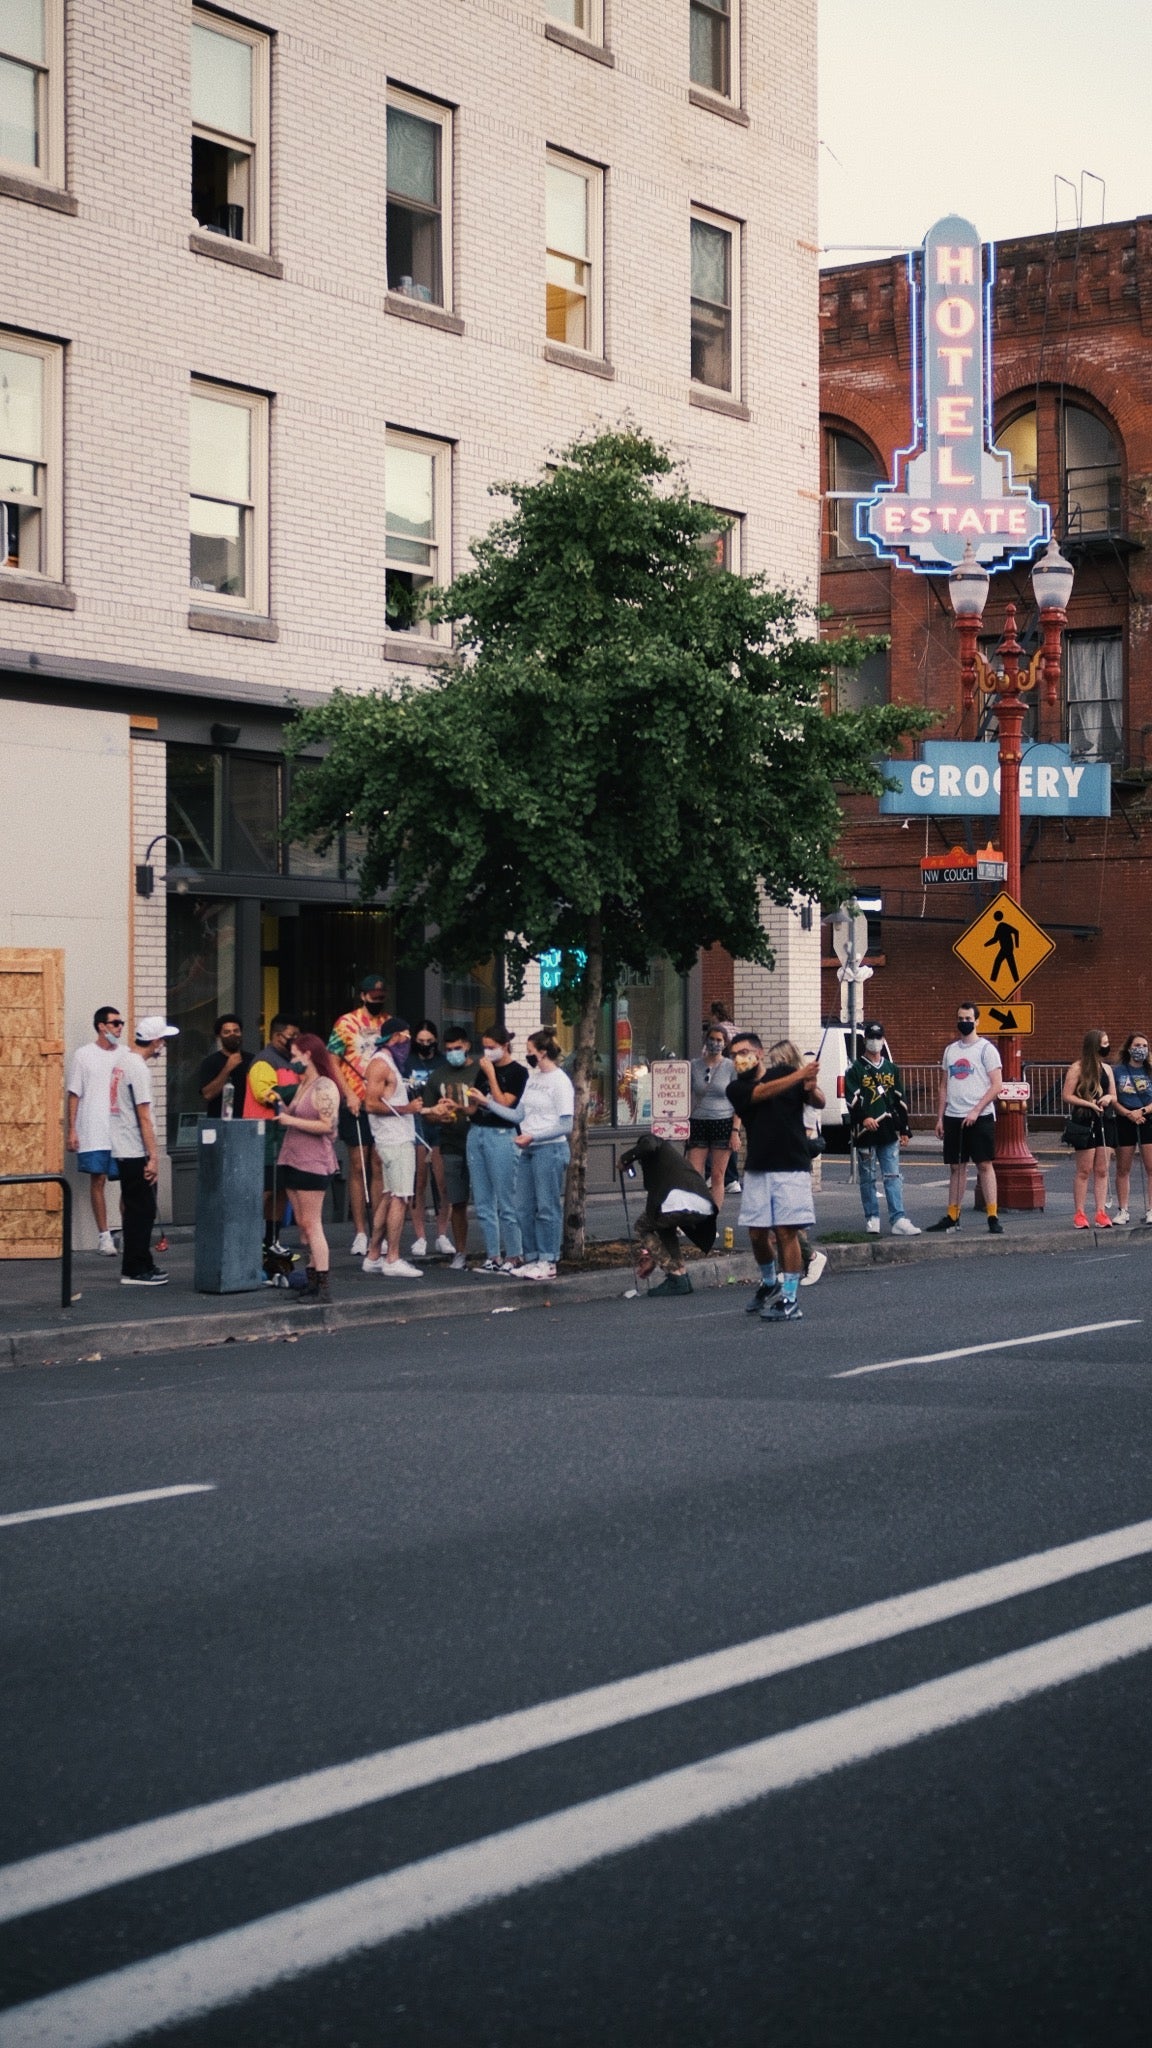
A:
(205, 1975)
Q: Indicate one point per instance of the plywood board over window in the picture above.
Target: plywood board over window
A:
(32, 1091)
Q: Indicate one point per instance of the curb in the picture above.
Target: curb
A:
(81, 1343)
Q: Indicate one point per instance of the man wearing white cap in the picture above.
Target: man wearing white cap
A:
(134, 1149)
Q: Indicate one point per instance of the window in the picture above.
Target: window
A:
(581, 15)
(1018, 439)
(858, 689)
(417, 502)
(712, 46)
(1094, 666)
(574, 196)
(641, 1021)
(32, 88)
(228, 507)
(230, 130)
(31, 457)
(853, 473)
(715, 340)
(419, 200)
(1092, 476)
(723, 547)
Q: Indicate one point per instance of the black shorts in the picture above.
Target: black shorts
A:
(456, 1183)
(966, 1144)
(354, 1130)
(310, 1183)
(714, 1131)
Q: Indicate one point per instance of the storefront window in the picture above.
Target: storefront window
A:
(473, 1000)
(253, 816)
(641, 1022)
(201, 986)
(196, 804)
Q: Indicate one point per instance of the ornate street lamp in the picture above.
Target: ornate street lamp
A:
(1019, 1182)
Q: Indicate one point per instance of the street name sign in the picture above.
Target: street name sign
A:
(1003, 946)
(1005, 1019)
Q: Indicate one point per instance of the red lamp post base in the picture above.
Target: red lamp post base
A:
(1019, 1181)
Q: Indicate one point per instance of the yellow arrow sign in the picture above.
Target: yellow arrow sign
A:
(1003, 946)
(998, 1020)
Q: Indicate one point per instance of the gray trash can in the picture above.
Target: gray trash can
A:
(230, 1207)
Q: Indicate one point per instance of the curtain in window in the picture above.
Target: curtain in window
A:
(1095, 696)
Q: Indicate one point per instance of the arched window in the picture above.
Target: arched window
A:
(1018, 439)
(852, 472)
(1092, 475)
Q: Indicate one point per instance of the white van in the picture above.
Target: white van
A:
(836, 1056)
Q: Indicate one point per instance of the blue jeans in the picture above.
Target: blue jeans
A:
(493, 1167)
(540, 1199)
(882, 1161)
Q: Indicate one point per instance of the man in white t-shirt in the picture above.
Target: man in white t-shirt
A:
(90, 1115)
(134, 1150)
(391, 1116)
(969, 1084)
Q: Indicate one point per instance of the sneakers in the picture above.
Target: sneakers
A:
(995, 1227)
(782, 1312)
(1148, 1218)
(1121, 1216)
(872, 1225)
(536, 1269)
(816, 1265)
(281, 1251)
(1080, 1221)
(763, 1294)
(372, 1266)
(734, 1187)
(420, 1248)
(153, 1279)
(106, 1243)
(488, 1266)
(945, 1223)
(1102, 1220)
(459, 1263)
(358, 1246)
(512, 1268)
(904, 1227)
(673, 1283)
(399, 1269)
(444, 1245)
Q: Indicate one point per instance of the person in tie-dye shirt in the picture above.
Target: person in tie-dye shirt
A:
(352, 1044)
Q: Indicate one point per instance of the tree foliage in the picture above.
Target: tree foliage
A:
(626, 752)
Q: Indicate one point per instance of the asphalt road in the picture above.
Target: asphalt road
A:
(416, 1531)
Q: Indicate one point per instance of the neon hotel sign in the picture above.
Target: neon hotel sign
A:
(952, 486)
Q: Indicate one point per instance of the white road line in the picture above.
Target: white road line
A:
(86, 1867)
(203, 1976)
(1001, 1344)
(91, 1507)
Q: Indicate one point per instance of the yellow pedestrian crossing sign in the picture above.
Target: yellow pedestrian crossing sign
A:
(1003, 946)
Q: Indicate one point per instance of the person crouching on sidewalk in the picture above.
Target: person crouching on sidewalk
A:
(676, 1198)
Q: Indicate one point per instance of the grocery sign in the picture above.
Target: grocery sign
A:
(952, 486)
(961, 779)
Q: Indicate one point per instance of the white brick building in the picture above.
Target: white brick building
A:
(251, 352)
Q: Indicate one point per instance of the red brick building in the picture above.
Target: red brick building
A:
(1072, 368)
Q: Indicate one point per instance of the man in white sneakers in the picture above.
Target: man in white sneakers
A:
(134, 1150)
(90, 1116)
(391, 1115)
(969, 1084)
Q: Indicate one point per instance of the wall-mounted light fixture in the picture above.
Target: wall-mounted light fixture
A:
(180, 875)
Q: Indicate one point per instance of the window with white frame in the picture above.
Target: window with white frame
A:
(228, 497)
(723, 545)
(713, 30)
(574, 218)
(417, 529)
(715, 309)
(584, 17)
(32, 88)
(230, 129)
(31, 456)
(419, 199)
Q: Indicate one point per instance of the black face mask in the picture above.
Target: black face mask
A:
(425, 1050)
(375, 1004)
(965, 1026)
(531, 1058)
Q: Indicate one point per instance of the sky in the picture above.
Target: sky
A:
(975, 109)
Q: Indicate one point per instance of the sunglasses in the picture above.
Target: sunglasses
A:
(113, 1023)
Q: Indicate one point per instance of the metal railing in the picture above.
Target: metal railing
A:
(25, 1180)
(1045, 1077)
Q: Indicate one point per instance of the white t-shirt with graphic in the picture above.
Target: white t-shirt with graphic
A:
(970, 1064)
(91, 1082)
(131, 1085)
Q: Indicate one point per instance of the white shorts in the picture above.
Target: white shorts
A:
(771, 1198)
(397, 1169)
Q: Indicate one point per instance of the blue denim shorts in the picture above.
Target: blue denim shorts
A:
(98, 1162)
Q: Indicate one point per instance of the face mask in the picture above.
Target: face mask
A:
(426, 1049)
(495, 1053)
(965, 1026)
(298, 1066)
(375, 1004)
(1105, 1051)
(457, 1057)
(1138, 1055)
(531, 1059)
(874, 1045)
(715, 1045)
(400, 1054)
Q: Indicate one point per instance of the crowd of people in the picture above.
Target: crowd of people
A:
(432, 1130)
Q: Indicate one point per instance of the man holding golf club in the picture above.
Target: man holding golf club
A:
(391, 1115)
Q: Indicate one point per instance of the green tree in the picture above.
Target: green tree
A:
(625, 754)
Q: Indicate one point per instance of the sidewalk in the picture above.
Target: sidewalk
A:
(116, 1322)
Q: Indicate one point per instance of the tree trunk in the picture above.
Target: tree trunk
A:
(583, 1068)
